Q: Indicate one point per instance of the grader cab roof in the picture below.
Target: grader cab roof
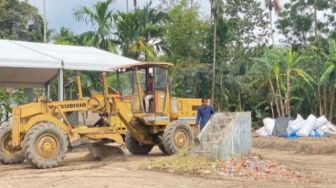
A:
(150, 64)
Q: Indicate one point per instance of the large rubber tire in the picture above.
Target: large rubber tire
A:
(8, 156)
(134, 146)
(163, 149)
(45, 146)
(177, 137)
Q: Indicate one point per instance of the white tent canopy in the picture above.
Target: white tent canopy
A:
(28, 64)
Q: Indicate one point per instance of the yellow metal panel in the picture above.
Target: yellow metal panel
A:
(44, 118)
(19, 127)
(32, 109)
(188, 107)
(16, 127)
(93, 130)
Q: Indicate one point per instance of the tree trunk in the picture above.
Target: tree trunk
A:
(287, 96)
(240, 101)
(213, 85)
(274, 99)
(271, 24)
(135, 3)
(315, 20)
(331, 104)
(272, 110)
(223, 92)
(325, 101)
(319, 100)
(126, 6)
(282, 108)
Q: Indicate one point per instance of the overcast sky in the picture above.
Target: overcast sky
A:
(60, 12)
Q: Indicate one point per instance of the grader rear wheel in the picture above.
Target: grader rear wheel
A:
(45, 145)
(134, 146)
(177, 137)
(8, 154)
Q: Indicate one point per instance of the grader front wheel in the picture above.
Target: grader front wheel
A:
(8, 154)
(135, 147)
(177, 137)
(45, 145)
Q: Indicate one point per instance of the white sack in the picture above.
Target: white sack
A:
(318, 132)
(320, 122)
(269, 124)
(307, 127)
(328, 128)
(295, 125)
(262, 132)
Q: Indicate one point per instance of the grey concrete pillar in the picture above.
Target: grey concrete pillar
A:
(47, 90)
(60, 85)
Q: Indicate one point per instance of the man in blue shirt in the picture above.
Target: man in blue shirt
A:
(203, 114)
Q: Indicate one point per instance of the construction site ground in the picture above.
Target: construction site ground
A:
(78, 171)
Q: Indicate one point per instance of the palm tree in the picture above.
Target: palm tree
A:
(273, 5)
(65, 36)
(216, 10)
(140, 33)
(101, 18)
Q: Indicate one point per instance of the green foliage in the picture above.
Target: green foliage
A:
(185, 36)
(186, 33)
(301, 21)
(140, 33)
(237, 42)
(8, 98)
(279, 70)
(20, 21)
(101, 19)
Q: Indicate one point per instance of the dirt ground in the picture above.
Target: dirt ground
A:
(80, 172)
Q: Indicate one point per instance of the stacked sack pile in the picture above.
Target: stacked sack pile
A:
(299, 127)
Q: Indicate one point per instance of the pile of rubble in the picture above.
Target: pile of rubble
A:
(261, 169)
(250, 167)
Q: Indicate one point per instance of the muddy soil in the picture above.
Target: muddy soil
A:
(323, 145)
(79, 171)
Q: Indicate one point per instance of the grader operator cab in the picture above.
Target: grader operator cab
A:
(41, 132)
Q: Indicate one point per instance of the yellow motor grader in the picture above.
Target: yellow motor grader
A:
(41, 132)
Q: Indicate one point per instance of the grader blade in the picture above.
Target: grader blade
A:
(104, 152)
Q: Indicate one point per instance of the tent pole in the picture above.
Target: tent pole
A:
(60, 85)
(47, 90)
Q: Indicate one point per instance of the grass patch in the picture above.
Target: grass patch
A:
(182, 164)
